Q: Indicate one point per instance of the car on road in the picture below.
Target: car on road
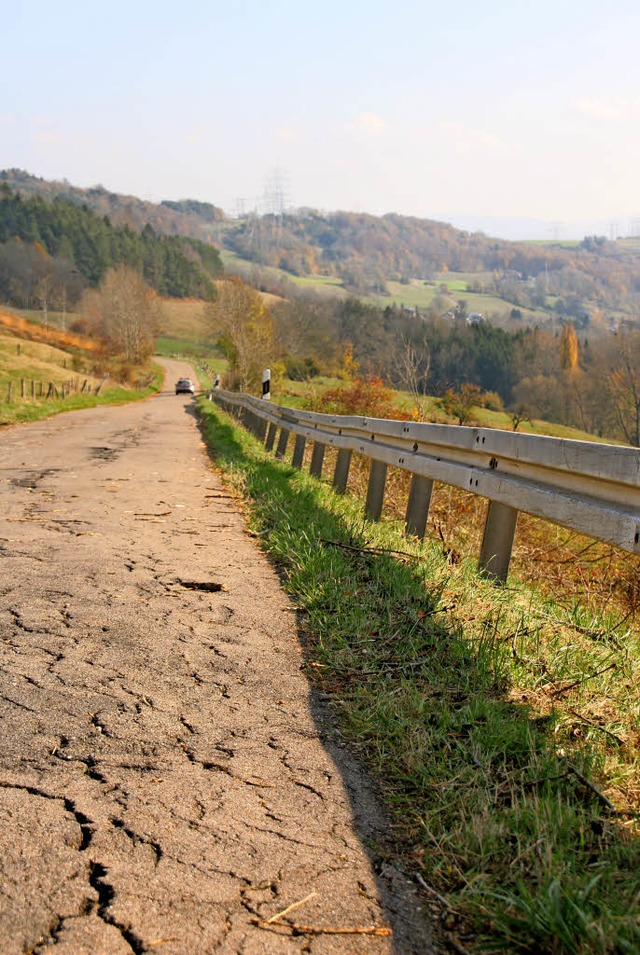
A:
(184, 386)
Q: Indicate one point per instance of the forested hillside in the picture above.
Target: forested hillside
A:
(558, 376)
(170, 218)
(49, 250)
(367, 252)
(595, 281)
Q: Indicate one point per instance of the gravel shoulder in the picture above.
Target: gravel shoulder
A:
(168, 782)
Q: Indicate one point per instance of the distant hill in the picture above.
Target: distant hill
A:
(186, 218)
(52, 247)
(592, 280)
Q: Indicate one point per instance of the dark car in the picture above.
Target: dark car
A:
(184, 386)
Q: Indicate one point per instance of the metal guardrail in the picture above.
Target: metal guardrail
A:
(590, 488)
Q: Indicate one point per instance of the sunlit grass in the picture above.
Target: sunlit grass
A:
(501, 723)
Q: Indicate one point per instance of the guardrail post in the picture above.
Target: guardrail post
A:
(298, 451)
(341, 472)
(375, 490)
(499, 531)
(271, 436)
(317, 459)
(261, 428)
(418, 505)
(281, 450)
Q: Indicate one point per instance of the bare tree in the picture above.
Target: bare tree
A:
(412, 368)
(624, 386)
(125, 313)
(244, 327)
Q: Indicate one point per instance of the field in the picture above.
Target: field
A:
(416, 293)
(38, 378)
(422, 295)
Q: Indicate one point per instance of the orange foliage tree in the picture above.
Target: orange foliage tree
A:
(369, 397)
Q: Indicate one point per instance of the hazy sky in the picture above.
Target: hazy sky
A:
(494, 108)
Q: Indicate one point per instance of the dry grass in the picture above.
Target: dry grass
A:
(185, 318)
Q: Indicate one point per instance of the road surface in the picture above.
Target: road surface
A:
(167, 779)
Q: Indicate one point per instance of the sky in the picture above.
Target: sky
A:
(499, 113)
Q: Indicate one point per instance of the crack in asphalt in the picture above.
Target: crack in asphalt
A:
(106, 894)
(85, 824)
(158, 723)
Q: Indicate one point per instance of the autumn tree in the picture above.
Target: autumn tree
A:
(623, 385)
(459, 402)
(244, 328)
(569, 348)
(125, 314)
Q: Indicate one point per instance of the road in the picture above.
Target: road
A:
(168, 781)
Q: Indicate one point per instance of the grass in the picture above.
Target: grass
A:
(417, 294)
(170, 347)
(30, 360)
(19, 412)
(502, 725)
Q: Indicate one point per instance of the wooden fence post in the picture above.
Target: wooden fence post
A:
(317, 459)
(298, 451)
(341, 473)
(418, 505)
(271, 436)
(375, 490)
(281, 450)
(261, 432)
(497, 542)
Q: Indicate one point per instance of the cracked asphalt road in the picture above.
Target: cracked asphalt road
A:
(167, 778)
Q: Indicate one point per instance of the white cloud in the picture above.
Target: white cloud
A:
(195, 135)
(367, 124)
(47, 137)
(462, 139)
(606, 111)
(287, 134)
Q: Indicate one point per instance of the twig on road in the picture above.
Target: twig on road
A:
(290, 908)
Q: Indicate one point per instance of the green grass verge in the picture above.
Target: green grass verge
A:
(497, 802)
(169, 347)
(19, 412)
